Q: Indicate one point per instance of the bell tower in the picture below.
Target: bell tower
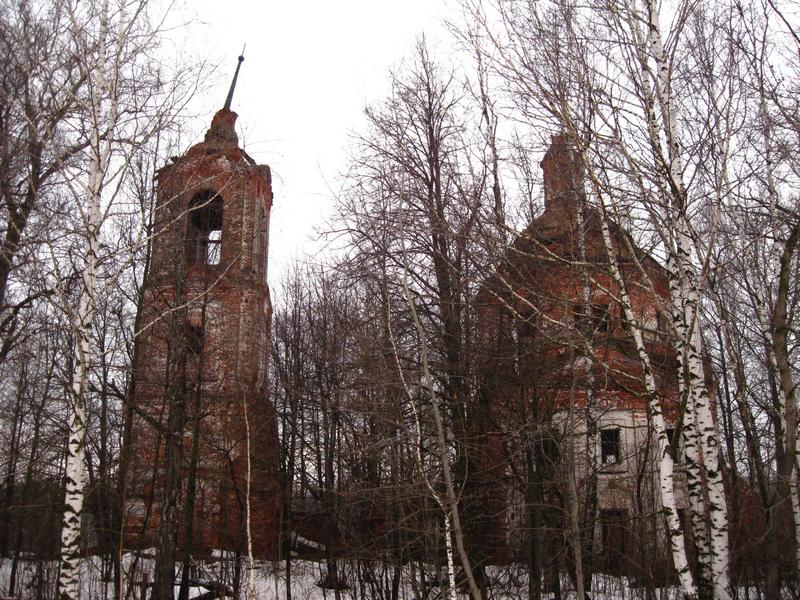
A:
(203, 452)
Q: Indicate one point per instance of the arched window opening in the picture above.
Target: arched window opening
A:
(204, 230)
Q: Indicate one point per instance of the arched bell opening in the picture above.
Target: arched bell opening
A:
(204, 229)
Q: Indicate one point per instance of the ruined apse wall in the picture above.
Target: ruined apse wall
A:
(533, 306)
(534, 335)
(200, 368)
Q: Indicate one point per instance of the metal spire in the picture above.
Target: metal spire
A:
(233, 83)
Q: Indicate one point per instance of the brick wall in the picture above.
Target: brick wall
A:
(202, 354)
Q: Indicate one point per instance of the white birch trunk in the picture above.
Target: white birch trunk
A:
(574, 499)
(706, 428)
(795, 495)
(451, 569)
(666, 477)
(591, 404)
(448, 504)
(69, 573)
(685, 298)
(691, 439)
(451, 573)
(102, 114)
(249, 582)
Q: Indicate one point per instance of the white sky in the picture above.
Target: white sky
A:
(309, 70)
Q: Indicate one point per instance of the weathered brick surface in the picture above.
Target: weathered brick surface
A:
(530, 312)
(534, 340)
(205, 335)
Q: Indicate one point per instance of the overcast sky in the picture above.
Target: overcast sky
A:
(310, 68)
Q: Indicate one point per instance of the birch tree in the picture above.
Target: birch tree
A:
(665, 451)
(752, 270)
(699, 429)
(606, 75)
(121, 103)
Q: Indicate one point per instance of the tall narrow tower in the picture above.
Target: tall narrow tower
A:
(203, 454)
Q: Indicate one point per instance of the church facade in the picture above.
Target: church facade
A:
(559, 423)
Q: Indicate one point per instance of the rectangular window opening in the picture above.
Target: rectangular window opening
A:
(610, 451)
(195, 338)
(613, 539)
(214, 248)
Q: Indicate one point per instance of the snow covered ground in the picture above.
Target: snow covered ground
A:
(36, 579)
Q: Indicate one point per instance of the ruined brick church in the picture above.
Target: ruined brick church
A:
(204, 440)
(560, 387)
(204, 437)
